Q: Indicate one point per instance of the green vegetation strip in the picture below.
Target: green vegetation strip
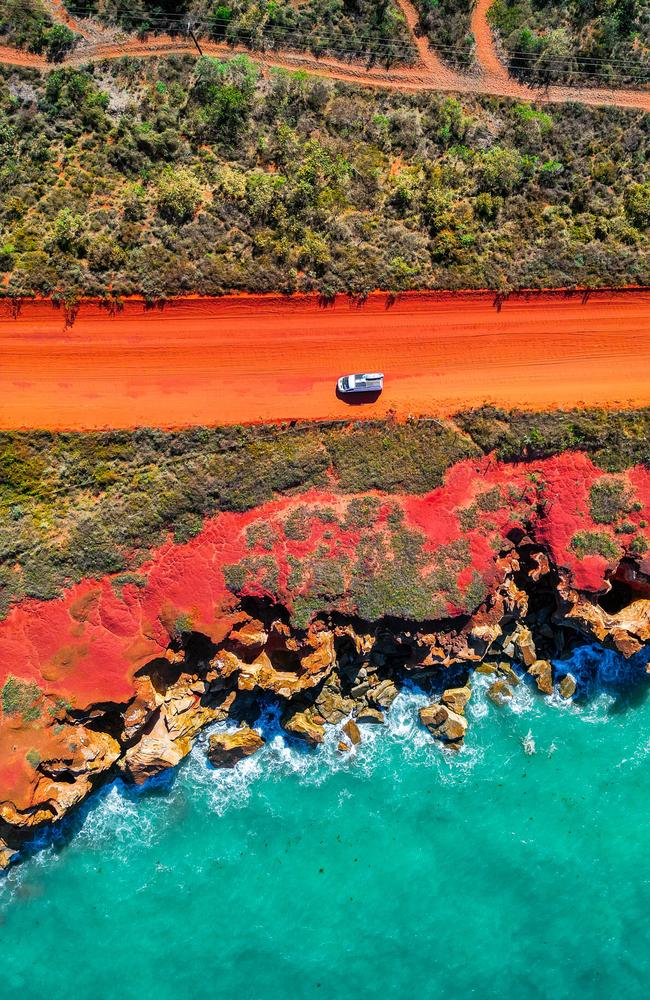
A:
(575, 41)
(76, 505)
(162, 178)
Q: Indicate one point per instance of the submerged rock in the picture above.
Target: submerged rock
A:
(352, 732)
(506, 670)
(499, 692)
(567, 686)
(227, 749)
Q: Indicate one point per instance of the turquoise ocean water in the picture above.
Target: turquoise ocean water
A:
(402, 871)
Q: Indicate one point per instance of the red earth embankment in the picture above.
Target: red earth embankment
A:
(89, 647)
(261, 358)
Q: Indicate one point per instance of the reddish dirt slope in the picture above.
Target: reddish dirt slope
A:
(245, 359)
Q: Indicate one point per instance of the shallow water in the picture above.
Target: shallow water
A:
(402, 870)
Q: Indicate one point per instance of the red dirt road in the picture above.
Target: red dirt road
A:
(246, 359)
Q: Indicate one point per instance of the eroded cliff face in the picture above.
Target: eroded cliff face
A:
(324, 605)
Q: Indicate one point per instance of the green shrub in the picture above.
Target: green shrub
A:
(594, 543)
(21, 698)
(328, 577)
(298, 524)
(252, 571)
(637, 204)
(490, 500)
(178, 194)
(59, 40)
(608, 499)
(264, 191)
(475, 592)
(261, 534)
(547, 41)
(128, 579)
(55, 528)
(187, 527)
(361, 512)
(468, 517)
(184, 623)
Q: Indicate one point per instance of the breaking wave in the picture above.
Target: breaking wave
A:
(121, 817)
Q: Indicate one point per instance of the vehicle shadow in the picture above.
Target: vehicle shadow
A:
(358, 398)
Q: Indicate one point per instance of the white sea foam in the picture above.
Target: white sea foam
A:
(116, 815)
(283, 756)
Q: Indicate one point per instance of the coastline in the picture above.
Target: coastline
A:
(485, 575)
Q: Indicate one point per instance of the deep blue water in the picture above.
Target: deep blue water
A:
(402, 871)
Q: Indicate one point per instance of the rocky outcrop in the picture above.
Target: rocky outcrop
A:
(542, 673)
(444, 725)
(445, 719)
(627, 630)
(7, 855)
(307, 725)
(63, 772)
(174, 716)
(119, 678)
(456, 698)
(286, 666)
(227, 749)
(499, 692)
(567, 686)
(352, 732)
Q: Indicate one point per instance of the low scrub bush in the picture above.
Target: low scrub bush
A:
(594, 543)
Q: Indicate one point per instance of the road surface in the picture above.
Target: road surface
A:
(246, 359)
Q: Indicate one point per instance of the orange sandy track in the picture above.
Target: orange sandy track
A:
(486, 50)
(428, 74)
(245, 358)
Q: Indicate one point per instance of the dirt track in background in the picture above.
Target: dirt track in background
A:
(246, 359)
(486, 51)
(428, 74)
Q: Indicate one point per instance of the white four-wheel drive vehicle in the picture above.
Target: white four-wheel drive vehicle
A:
(372, 382)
